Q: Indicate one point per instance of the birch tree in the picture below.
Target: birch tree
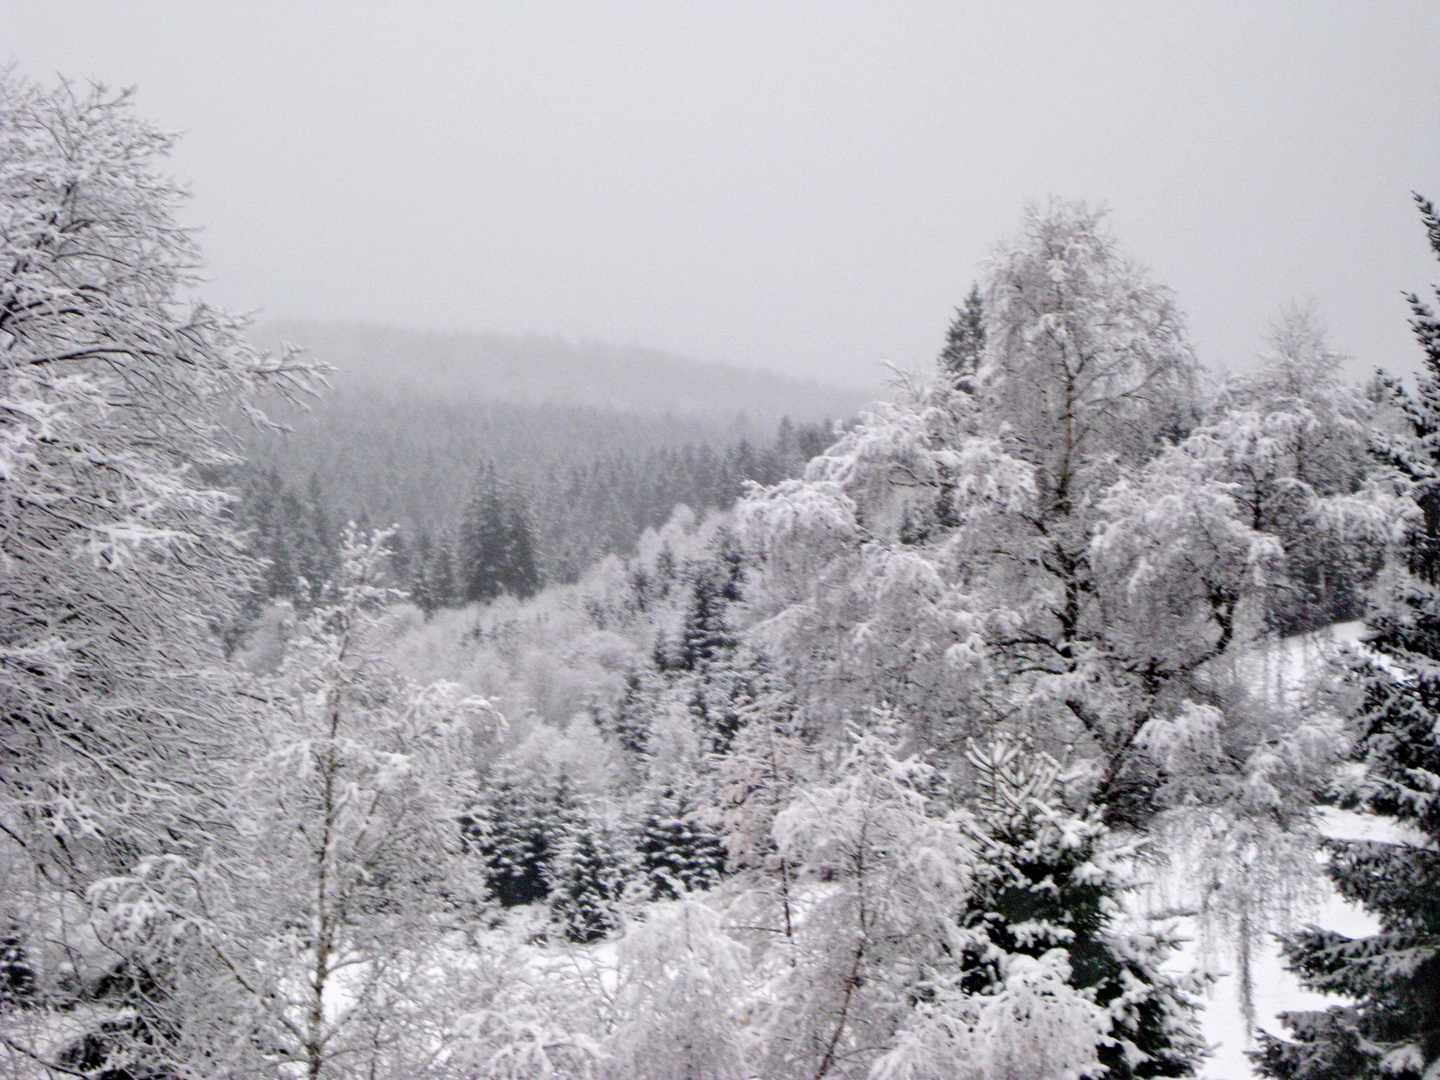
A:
(321, 933)
(939, 555)
(885, 879)
(115, 562)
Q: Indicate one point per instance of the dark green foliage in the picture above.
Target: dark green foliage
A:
(431, 573)
(1044, 881)
(290, 532)
(519, 830)
(1325, 581)
(704, 667)
(1422, 416)
(493, 550)
(678, 853)
(17, 977)
(724, 697)
(1424, 322)
(705, 638)
(593, 479)
(586, 881)
(1392, 976)
(964, 342)
(1391, 1026)
(1324, 1046)
(116, 1050)
(630, 723)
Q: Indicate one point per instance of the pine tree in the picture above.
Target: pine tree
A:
(1047, 879)
(630, 722)
(705, 637)
(495, 552)
(586, 879)
(1391, 1027)
(518, 831)
(964, 342)
(678, 852)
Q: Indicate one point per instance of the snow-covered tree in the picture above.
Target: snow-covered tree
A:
(884, 879)
(494, 552)
(1298, 468)
(517, 827)
(113, 389)
(587, 877)
(852, 610)
(117, 564)
(1260, 520)
(1391, 1025)
(1033, 1025)
(939, 556)
(959, 361)
(1048, 880)
(767, 765)
(355, 867)
(677, 850)
(1087, 363)
(680, 999)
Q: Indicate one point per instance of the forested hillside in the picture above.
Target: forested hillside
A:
(581, 482)
(899, 763)
(586, 445)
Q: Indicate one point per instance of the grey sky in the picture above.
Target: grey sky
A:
(800, 185)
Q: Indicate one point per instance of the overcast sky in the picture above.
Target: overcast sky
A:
(806, 186)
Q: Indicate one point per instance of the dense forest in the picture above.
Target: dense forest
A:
(580, 482)
(896, 748)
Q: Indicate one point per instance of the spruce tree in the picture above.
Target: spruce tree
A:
(678, 853)
(630, 722)
(1391, 1025)
(1048, 879)
(495, 550)
(586, 880)
(964, 342)
(519, 831)
(705, 637)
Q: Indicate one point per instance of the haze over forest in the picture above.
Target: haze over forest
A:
(808, 187)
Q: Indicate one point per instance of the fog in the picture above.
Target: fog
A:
(806, 187)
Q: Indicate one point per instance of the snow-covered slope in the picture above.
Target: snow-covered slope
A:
(1286, 670)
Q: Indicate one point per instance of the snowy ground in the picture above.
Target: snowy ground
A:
(1275, 991)
(1285, 670)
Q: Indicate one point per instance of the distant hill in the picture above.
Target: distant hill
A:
(535, 370)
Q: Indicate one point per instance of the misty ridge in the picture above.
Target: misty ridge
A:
(549, 370)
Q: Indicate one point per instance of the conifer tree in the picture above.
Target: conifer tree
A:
(1391, 1027)
(1047, 879)
(964, 342)
(519, 830)
(630, 722)
(678, 852)
(586, 880)
(494, 549)
(705, 637)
